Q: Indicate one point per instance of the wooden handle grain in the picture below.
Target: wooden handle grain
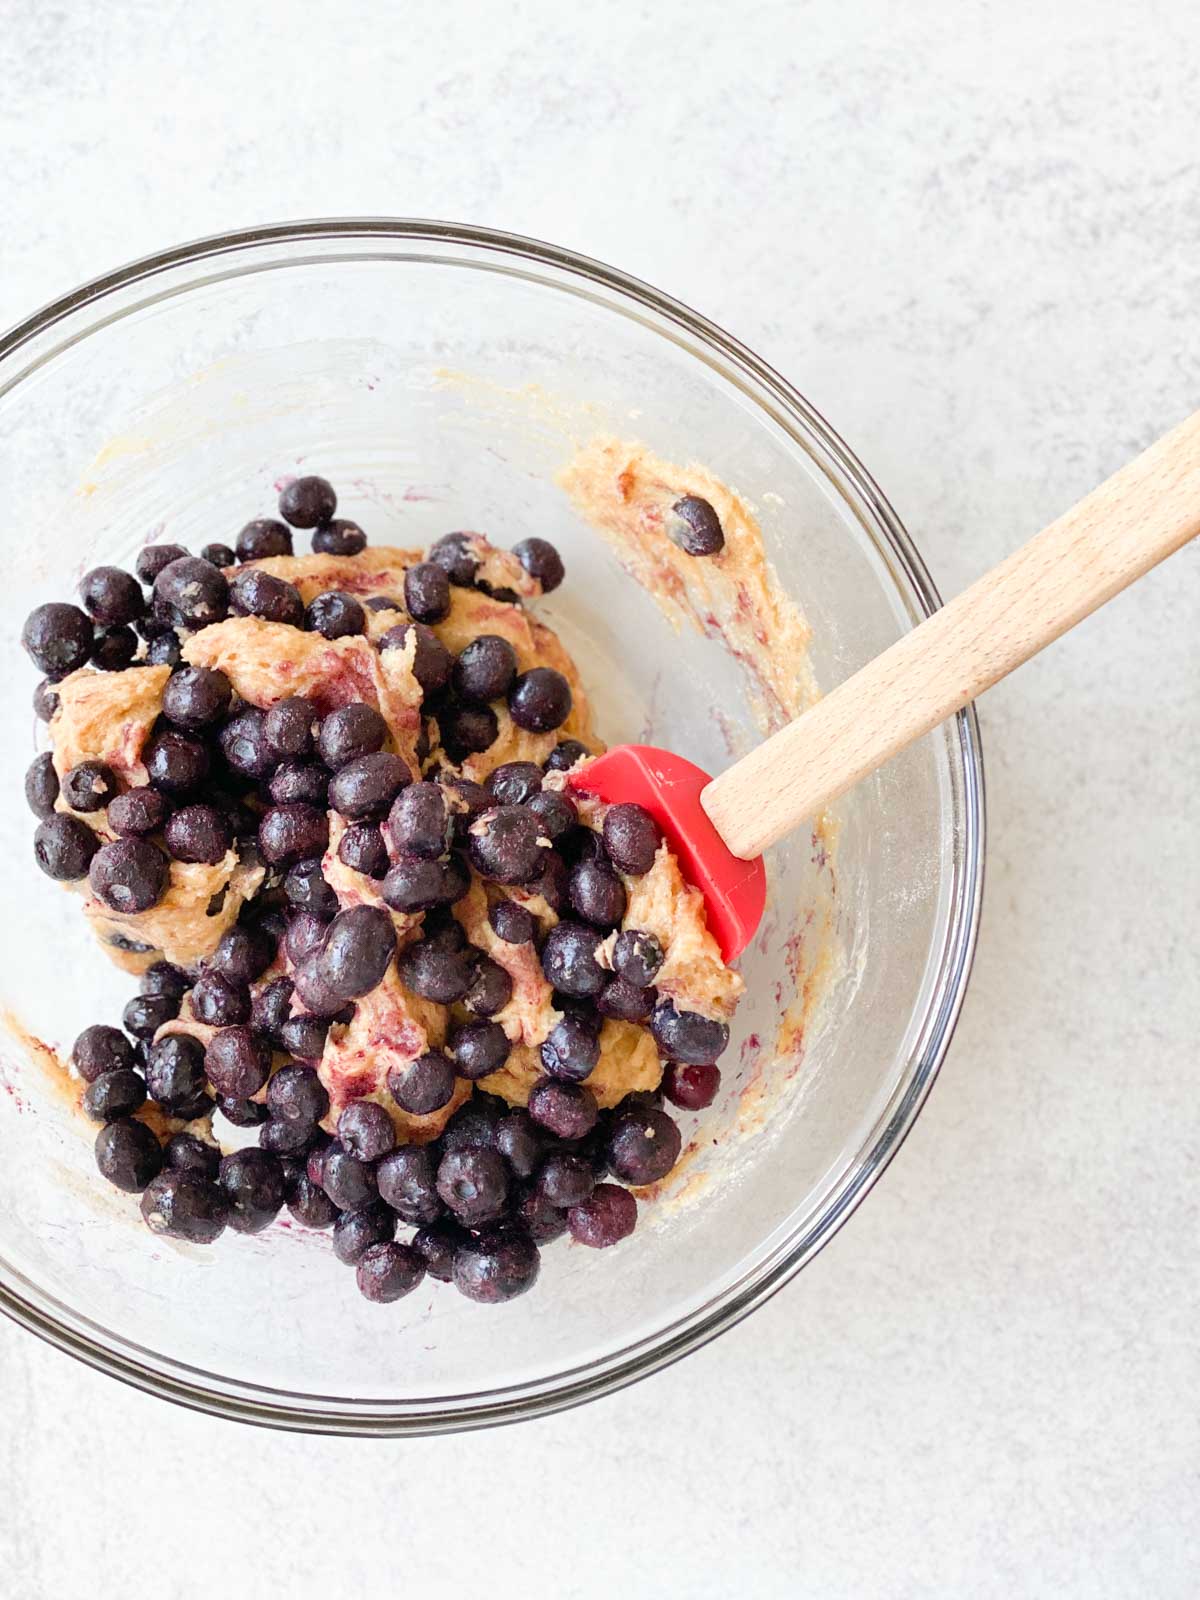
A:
(1141, 515)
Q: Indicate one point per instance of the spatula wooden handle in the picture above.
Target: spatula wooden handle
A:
(1141, 515)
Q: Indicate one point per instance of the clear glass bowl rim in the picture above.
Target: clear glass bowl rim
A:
(24, 346)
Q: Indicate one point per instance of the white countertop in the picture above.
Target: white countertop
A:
(970, 233)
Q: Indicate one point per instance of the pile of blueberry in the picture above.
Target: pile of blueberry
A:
(225, 775)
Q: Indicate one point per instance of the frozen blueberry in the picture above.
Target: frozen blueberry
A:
(196, 697)
(625, 1002)
(100, 1049)
(485, 669)
(637, 957)
(255, 593)
(89, 786)
(187, 1204)
(366, 1131)
(384, 602)
(129, 875)
(111, 596)
(242, 1113)
(416, 885)
(427, 592)
(386, 1272)
(175, 1070)
(176, 762)
(607, 1216)
(566, 1179)
(41, 786)
(572, 1049)
(541, 561)
(264, 537)
(695, 527)
(335, 615)
(296, 1094)
(420, 821)
(252, 1183)
(596, 893)
(491, 988)
(245, 745)
(540, 700)
(567, 1110)
(339, 537)
(192, 590)
(138, 812)
(361, 848)
(128, 1154)
(218, 555)
(198, 833)
(315, 988)
(507, 845)
(154, 557)
(58, 638)
(291, 726)
(218, 1002)
(367, 785)
(63, 847)
(565, 755)
(356, 1231)
(407, 1179)
(467, 730)
(423, 1086)
(45, 700)
(188, 1153)
(305, 502)
(237, 1062)
(292, 833)
(300, 782)
(161, 977)
(271, 1007)
(544, 1221)
(631, 837)
(113, 1095)
(496, 1265)
(432, 662)
(475, 1125)
(145, 1014)
(473, 1184)
(478, 1048)
(348, 1182)
(309, 1203)
(692, 1087)
(304, 936)
(569, 960)
(513, 783)
(435, 973)
(307, 889)
(520, 1141)
(453, 554)
(114, 649)
(686, 1036)
(358, 949)
(555, 812)
(243, 953)
(304, 1036)
(164, 650)
(511, 922)
(643, 1145)
(349, 732)
(436, 1244)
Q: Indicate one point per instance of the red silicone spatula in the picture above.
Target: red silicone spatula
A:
(719, 826)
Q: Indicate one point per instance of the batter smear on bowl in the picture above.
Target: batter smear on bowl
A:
(318, 804)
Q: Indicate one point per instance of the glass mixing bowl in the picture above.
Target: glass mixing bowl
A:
(441, 375)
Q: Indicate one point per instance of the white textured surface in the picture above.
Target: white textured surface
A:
(970, 232)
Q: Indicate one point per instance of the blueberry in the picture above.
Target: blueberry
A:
(407, 1180)
(637, 957)
(361, 848)
(555, 812)
(113, 1095)
(366, 786)
(218, 1002)
(88, 787)
(198, 833)
(184, 1204)
(175, 1070)
(291, 726)
(491, 988)
(100, 1049)
(63, 847)
(643, 1145)
(541, 561)
(468, 801)
(243, 953)
(452, 553)
(255, 593)
(596, 893)
(264, 537)
(427, 592)
(128, 1154)
(304, 936)
(339, 537)
(358, 949)
(565, 755)
(138, 812)
(507, 845)
(154, 557)
(473, 1184)
(475, 1125)
(307, 889)
(145, 1014)
(435, 973)
(520, 1141)
(356, 1231)
(432, 662)
(437, 1244)
(348, 1182)
(162, 977)
(572, 1049)
(292, 833)
(496, 1265)
(387, 1272)
(309, 1203)
(383, 602)
(420, 821)
(129, 875)
(416, 885)
(366, 1130)
(271, 1007)
(425, 1085)
(631, 837)
(111, 596)
(315, 987)
(300, 782)
(607, 1216)
(114, 649)
(349, 732)
(307, 501)
(467, 730)
(304, 1036)
(695, 527)
(544, 1221)
(176, 762)
(58, 638)
(42, 786)
(569, 960)
(625, 1002)
(514, 783)
(240, 1112)
(244, 743)
(45, 700)
(567, 1110)
(218, 555)
(687, 1037)
(692, 1087)
(565, 1179)
(187, 1153)
(296, 1094)
(485, 669)
(540, 700)
(252, 1184)
(196, 697)
(478, 1048)
(335, 615)
(237, 1062)
(511, 922)
(193, 591)
(164, 650)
